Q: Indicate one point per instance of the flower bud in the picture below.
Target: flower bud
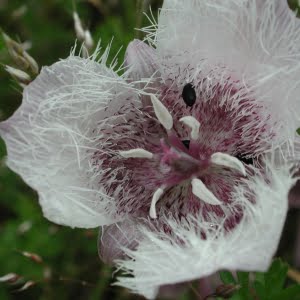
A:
(19, 75)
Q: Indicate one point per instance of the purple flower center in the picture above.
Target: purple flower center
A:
(179, 162)
(167, 157)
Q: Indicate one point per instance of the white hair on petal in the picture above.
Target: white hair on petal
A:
(164, 258)
(52, 137)
(255, 43)
(151, 30)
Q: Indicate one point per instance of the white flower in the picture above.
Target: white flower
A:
(50, 139)
(190, 153)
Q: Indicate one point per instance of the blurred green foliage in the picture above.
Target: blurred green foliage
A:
(71, 268)
(263, 286)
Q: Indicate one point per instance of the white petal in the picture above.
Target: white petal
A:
(202, 192)
(185, 256)
(226, 160)
(162, 113)
(155, 198)
(193, 124)
(51, 138)
(141, 60)
(136, 153)
(113, 238)
(264, 58)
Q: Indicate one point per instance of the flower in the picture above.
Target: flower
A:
(187, 159)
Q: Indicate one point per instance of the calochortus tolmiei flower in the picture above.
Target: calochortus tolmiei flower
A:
(187, 159)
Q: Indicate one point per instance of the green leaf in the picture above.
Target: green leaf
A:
(265, 286)
(276, 276)
(227, 277)
(270, 285)
(260, 289)
(237, 296)
(243, 281)
(2, 44)
(291, 293)
(260, 277)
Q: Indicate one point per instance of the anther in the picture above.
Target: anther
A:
(162, 113)
(136, 153)
(226, 160)
(202, 192)
(193, 124)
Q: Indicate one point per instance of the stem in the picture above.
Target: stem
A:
(139, 14)
(141, 7)
(195, 291)
(294, 275)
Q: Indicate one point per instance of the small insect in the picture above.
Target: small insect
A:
(189, 94)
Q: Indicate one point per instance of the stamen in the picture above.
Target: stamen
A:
(162, 114)
(155, 198)
(228, 161)
(136, 153)
(201, 191)
(192, 123)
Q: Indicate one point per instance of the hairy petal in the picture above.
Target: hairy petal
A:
(141, 60)
(253, 43)
(163, 258)
(114, 238)
(50, 139)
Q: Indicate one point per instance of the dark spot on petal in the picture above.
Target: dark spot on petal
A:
(244, 159)
(189, 94)
(186, 143)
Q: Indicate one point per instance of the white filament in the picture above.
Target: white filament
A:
(162, 113)
(228, 161)
(192, 123)
(201, 191)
